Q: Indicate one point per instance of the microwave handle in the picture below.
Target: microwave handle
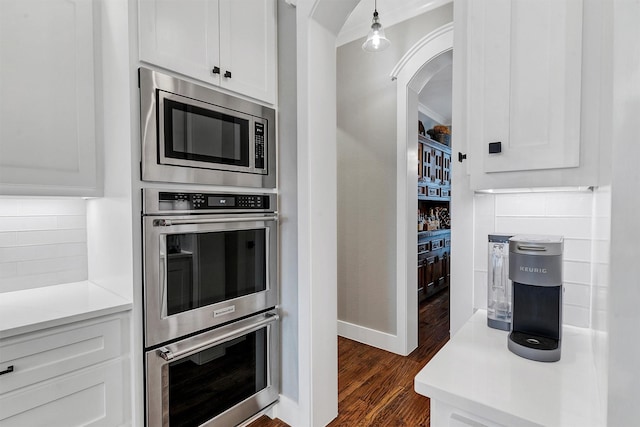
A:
(168, 355)
(170, 222)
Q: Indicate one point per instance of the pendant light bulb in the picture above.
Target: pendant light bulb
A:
(376, 40)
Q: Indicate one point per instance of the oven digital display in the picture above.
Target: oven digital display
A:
(215, 201)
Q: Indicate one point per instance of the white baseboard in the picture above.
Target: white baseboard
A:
(372, 337)
(287, 410)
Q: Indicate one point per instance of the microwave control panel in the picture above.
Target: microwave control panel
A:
(259, 143)
(178, 201)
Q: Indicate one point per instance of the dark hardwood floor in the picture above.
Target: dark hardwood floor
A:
(375, 387)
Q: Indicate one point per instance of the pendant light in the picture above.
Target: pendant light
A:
(376, 41)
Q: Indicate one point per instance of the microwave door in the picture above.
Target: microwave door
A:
(200, 135)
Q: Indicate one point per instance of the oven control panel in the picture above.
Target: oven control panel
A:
(180, 201)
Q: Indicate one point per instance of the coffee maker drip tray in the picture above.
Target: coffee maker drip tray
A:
(534, 341)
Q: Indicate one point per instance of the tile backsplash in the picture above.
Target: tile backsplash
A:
(569, 214)
(43, 242)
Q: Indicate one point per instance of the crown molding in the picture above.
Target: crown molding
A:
(432, 114)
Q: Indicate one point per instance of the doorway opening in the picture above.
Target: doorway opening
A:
(434, 197)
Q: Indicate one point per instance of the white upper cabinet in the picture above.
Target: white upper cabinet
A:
(524, 91)
(248, 47)
(47, 98)
(228, 43)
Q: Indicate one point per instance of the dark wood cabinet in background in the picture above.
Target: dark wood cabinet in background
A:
(434, 195)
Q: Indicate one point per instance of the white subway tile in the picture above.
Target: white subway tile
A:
(75, 275)
(575, 316)
(569, 204)
(599, 320)
(8, 239)
(72, 221)
(482, 230)
(568, 227)
(576, 272)
(28, 253)
(577, 250)
(600, 297)
(51, 237)
(484, 204)
(520, 225)
(601, 274)
(8, 269)
(19, 283)
(52, 207)
(577, 294)
(602, 228)
(16, 223)
(52, 265)
(601, 250)
(480, 289)
(522, 204)
(8, 207)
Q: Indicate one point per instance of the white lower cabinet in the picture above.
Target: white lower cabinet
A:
(443, 415)
(73, 375)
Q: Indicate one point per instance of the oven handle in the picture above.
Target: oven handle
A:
(170, 222)
(169, 355)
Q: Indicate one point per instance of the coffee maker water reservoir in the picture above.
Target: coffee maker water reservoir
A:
(498, 283)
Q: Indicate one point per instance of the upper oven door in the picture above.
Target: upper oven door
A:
(197, 135)
(204, 270)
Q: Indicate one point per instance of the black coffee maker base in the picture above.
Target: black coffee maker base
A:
(540, 349)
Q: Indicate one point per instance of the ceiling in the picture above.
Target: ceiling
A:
(390, 13)
(435, 97)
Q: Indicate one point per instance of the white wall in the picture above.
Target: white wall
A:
(601, 249)
(43, 241)
(288, 200)
(366, 182)
(624, 285)
(569, 214)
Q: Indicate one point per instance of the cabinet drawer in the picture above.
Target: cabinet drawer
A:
(40, 356)
(93, 396)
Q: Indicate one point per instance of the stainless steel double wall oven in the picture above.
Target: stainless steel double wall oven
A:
(211, 333)
(210, 291)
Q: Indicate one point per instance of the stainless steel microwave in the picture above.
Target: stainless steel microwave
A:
(196, 135)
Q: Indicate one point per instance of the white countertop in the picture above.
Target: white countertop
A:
(39, 308)
(476, 372)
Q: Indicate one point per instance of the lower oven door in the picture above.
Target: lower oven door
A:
(201, 271)
(217, 378)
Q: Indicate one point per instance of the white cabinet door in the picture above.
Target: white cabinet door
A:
(525, 66)
(89, 397)
(248, 47)
(237, 38)
(47, 98)
(71, 375)
(181, 35)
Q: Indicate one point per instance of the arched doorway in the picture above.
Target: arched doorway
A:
(412, 72)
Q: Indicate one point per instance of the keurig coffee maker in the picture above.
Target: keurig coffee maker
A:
(535, 268)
